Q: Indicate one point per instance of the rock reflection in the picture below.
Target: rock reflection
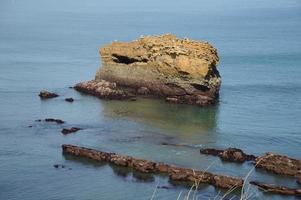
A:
(120, 171)
(173, 117)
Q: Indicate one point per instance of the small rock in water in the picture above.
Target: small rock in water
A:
(66, 131)
(58, 166)
(30, 126)
(46, 95)
(69, 100)
(58, 121)
(164, 187)
(229, 154)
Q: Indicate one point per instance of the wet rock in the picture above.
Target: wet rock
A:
(141, 166)
(47, 95)
(271, 188)
(69, 100)
(103, 89)
(230, 154)
(58, 166)
(279, 164)
(143, 91)
(66, 131)
(58, 121)
(181, 70)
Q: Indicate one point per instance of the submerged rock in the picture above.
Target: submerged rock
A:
(66, 131)
(178, 70)
(58, 121)
(229, 154)
(47, 95)
(69, 99)
(271, 188)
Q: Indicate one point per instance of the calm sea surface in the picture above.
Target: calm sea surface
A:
(54, 44)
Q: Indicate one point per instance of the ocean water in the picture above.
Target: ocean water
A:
(54, 44)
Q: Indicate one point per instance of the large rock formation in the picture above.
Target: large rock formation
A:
(180, 70)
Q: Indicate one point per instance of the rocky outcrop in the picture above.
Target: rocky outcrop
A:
(102, 89)
(279, 164)
(44, 94)
(179, 70)
(229, 154)
(175, 173)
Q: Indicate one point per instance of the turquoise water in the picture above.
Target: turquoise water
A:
(54, 44)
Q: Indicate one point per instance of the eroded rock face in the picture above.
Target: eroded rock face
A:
(180, 70)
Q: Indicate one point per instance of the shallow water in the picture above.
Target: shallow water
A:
(54, 44)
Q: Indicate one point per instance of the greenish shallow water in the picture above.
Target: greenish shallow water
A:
(54, 44)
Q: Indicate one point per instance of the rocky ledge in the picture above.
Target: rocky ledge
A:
(178, 70)
(178, 174)
(229, 154)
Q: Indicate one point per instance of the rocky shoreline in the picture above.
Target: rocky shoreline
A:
(178, 70)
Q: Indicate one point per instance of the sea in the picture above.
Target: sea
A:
(54, 44)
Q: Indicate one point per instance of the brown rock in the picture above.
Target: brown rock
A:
(103, 89)
(279, 164)
(47, 95)
(144, 166)
(230, 154)
(227, 182)
(163, 66)
(66, 131)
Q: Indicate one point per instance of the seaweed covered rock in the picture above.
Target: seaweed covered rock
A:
(179, 70)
